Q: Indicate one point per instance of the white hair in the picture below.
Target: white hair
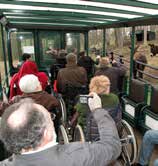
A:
(29, 83)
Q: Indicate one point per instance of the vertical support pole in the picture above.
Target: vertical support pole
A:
(62, 40)
(104, 40)
(37, 48)
(132, 52)
(86, 42)
(78, 42)
(10, 60)
(4, 55)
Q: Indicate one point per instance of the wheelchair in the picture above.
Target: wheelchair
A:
(127, 138)
(66, 132)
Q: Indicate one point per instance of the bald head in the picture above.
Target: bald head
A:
(23, 125)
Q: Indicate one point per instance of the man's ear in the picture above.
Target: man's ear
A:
(47, 136)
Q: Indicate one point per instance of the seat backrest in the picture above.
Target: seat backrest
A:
(72, 91)
(137, 91)
(154, 99)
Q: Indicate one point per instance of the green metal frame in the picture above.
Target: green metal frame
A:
(72, 15)
(104, 41)
(132, 52)
(4, 55)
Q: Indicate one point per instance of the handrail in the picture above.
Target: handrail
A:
(150, 75)
(152, 67)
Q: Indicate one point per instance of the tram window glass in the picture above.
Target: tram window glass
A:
(75, 42)
(50, 44)
(95, 43)
(21, 42)
(147, 39)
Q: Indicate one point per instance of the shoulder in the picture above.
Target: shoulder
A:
(62, 70)
(81, 69)
(114, 97)
(45, 94)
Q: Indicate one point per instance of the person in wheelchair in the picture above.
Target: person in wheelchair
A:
(28, 132)
(71, 75)
(110, 102)
(31, 88)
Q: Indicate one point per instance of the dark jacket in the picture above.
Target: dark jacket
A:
(71, 75)
(110, 103)
(99, 153)
(43, 98)
(87, 63)
(115, 74)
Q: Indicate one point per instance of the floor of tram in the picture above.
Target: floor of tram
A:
(139, 140)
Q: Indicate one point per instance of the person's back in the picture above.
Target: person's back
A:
(71, 75)
(31, 88)
(86, 62)
(113, 73)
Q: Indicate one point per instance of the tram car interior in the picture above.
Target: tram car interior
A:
(49, 30)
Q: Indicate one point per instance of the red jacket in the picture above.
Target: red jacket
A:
(28, 67)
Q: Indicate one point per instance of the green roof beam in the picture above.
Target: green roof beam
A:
(69, 6)
(129, 3)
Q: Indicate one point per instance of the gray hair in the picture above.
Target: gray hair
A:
(71, 58)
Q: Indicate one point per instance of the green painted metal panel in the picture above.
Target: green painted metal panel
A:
(104, 41)
(53, 21)
(132, 51)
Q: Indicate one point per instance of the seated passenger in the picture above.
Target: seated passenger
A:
(86, 62)
(28, 132)
(115, 74)
(28, 67)
(150, 139)
(71, 75)
(110, 102)
(31, 87)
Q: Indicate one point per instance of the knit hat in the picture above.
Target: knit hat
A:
(29, 83)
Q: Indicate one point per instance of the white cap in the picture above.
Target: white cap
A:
(29, 83)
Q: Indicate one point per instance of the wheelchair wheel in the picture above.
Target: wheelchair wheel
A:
(78, 134)
(63, 109)
(62, 135)
(129, 144)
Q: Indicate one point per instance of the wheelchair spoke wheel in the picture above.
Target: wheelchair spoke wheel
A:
(129, 144)
(78, 134)
(62, 135)
(63, 109)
